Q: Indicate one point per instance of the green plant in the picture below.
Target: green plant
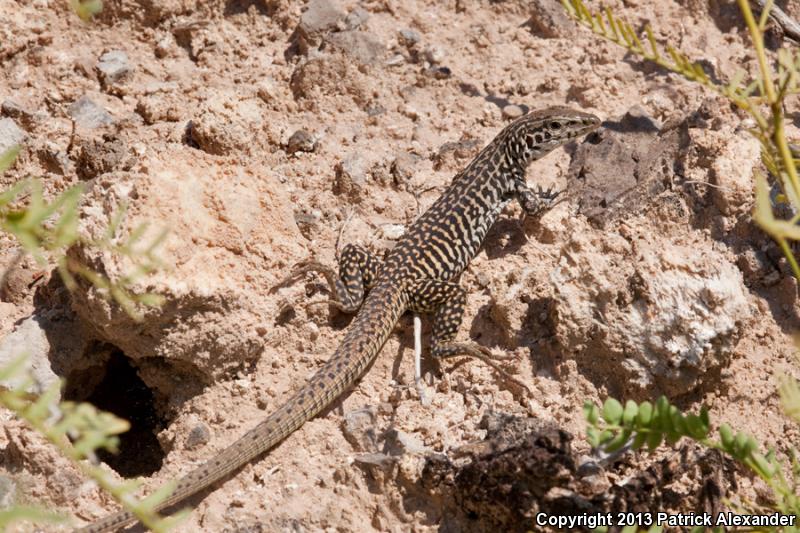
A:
(47, 230)
(613, 426)
(762, 98)
(86, 9)
(89, 430)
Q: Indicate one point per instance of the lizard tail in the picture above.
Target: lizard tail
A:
(362, 343)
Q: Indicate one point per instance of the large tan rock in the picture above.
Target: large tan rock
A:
(220, 255)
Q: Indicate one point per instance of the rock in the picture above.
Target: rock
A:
(724, 160)
(439, 72)
(756, 267)
(403, 168)
(113, 66)
(217, 135)
(624, 169)
(399, 442)
(160, 107)
(358, 428)
(359, 45)
(300, 141)
(454, 153)
(375, 459)
(397, 59)
(18, 278)
(732, 172)
(505, 483)
(8, 492)
(267, 90)
(87, 114)
(13, 109)
(29, 338)
(166, 47)
(307, 222)
(672, 313)
(409, 37)
(355, 19)
(351, 177)
(434, 54)
(512, 111)
(320, 17)
(10, 135)
(54, 159)
(549, 20)
(198, 436)
(99, 156)
(209, 324)
(393, 231)
(331, 74)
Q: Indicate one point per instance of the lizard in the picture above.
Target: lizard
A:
(420, 273)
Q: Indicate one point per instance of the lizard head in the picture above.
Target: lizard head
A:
(534, 135)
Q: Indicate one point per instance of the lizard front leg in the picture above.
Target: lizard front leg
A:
(534, 203)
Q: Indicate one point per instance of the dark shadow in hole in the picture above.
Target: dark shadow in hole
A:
(121, 391)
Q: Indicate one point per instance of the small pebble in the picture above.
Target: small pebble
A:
(198, 436)
(300, 141)
(10, 135)
(434, 54)
(87, 114)
(393, 231)
(267, 90)
(396, 59)
(113, 66)
(409, 37)
(512, 111)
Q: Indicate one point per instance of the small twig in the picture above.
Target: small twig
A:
(712, 185)
(418, 361)
(790, 27)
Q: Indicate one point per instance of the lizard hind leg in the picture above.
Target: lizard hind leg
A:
(446, 301)
(358, 269)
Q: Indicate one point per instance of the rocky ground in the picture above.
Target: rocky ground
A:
(260, 133)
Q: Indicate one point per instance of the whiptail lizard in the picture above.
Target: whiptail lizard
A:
(418, 274)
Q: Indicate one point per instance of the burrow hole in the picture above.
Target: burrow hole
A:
(116, 387)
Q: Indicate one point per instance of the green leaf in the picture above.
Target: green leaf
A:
(695, 427)
(726, 436)
(8, 157)
(151, 299)
(630, 412)
(590, 412)
(619, 441)
(704, 418)
(612, 411)
(593, 437)
(673, 436)
(19, 513)
(739, 444)
(86, 9)
(762, 467)
(676, 419)
(645, 415)
(639, 440)
(654, 440)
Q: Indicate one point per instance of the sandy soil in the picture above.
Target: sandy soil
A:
(264, 132)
